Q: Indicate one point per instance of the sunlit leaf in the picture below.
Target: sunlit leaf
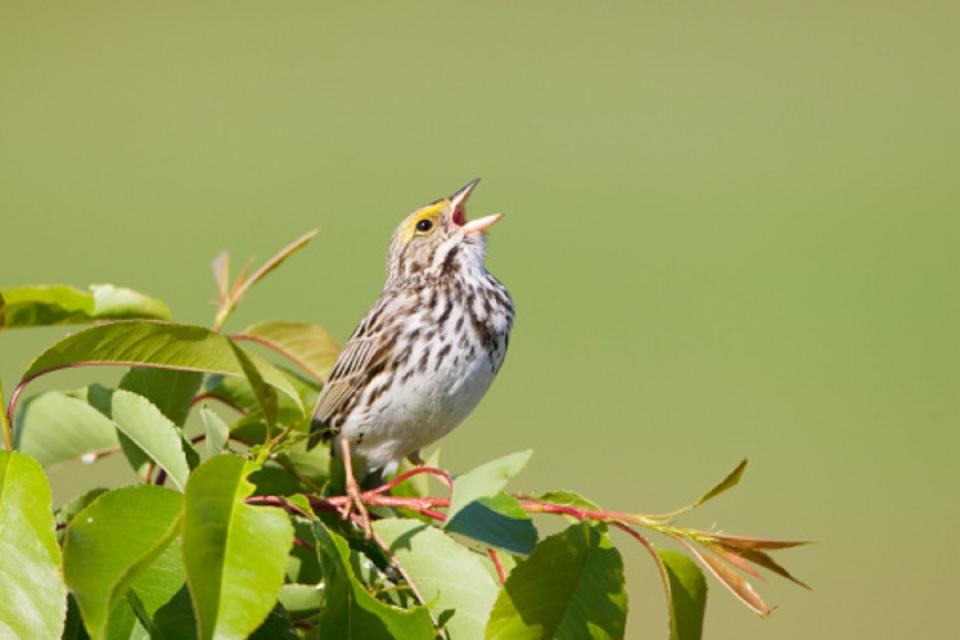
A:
(307, 345)
(686, 595)
(302, 600)
(265, 394)
(571, 586)
(72, 507)
(169, 390)
(43, 305)
(350, 611)
(54, 427)
(485, 481)
(452, 579)
(33, 597)
(235, 554)
(150, 435)
(162, 579)
(112, 542)
(154, 344)
(216, 430)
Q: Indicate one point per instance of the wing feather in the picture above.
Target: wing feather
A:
(363, 353)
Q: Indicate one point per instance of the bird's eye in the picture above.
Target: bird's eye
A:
(424, 225)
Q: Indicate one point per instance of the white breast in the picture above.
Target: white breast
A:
(437, 386)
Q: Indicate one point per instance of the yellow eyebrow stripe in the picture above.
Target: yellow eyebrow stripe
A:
(430, 211)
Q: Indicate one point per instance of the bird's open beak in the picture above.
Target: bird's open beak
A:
(481, 224)
(458, 203)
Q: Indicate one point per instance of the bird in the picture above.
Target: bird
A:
(427, 350)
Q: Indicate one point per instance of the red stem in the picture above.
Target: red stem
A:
(495, 559)
(434, 471)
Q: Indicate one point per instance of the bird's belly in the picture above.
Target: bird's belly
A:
(422, 407)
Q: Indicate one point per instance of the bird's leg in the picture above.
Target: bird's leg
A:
(355, 499)
(415, 459)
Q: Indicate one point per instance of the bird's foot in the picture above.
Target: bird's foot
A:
(355, 501)
(354, 497)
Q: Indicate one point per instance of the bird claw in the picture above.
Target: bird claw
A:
(355, 500)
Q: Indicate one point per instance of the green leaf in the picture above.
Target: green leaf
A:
(175, 620)
(452, 579)
(686, 595)
(54, 427)
(154, 344)
(302, 600)
(351, 612)
(169, 390)
(485, 481)
(162, 580)
(568, 499)
(277, 626)
(233, 392)
(154, 588)
(69, 510)
(73, 626)
(724, 485)
(150, 433)
(498, 521)
(33, 597)
(216, 430)
(571, 586)
(311, 466)
(112, 542)
(729, 482)
(237, 394)
(235, 554)
(307, 345)
(43, 305)
(266, 396)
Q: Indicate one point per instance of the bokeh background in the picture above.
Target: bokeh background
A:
(732, 230)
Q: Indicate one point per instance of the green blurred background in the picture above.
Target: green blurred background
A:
(731, 231)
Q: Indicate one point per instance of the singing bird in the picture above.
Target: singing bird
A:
(426, 352)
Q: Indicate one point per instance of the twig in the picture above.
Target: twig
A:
(495, 559)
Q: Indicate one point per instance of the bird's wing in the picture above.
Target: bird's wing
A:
(363, 354)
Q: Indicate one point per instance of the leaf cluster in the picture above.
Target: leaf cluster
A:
(238, 529)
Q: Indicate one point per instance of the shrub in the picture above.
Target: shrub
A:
(239, 530)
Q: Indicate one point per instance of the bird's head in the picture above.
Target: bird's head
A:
(438, 240)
